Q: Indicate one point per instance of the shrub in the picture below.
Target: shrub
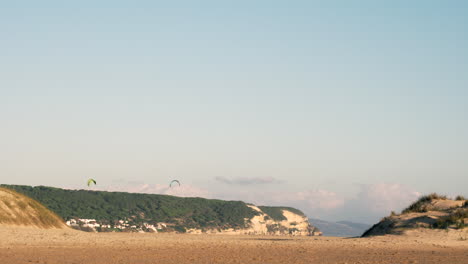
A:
(419, 205)
(460, 198)
(292, 230)
(180, 229)
(455, 219)
(435, 196)
(276, 213)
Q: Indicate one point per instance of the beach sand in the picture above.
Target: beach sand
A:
(62, 246)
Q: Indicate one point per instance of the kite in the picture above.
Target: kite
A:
(170, 184)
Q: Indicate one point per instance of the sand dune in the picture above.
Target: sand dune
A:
(18, 209)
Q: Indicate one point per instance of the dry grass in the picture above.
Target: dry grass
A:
(18, 209)
(420, 205)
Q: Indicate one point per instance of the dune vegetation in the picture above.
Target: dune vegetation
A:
(432, 211)
(18, 209)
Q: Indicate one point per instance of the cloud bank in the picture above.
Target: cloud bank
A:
(247, 180)
(371, 203)
(377, 200)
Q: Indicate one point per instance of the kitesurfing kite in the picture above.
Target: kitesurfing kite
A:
(170, 184)
(91, 181)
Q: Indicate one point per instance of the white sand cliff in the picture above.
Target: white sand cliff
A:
(262, 224)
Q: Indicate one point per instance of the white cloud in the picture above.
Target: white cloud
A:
(313, 203)
(375, 201)
(383, 198)
(312, 199)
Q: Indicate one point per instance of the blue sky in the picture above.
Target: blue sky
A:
(299, 97)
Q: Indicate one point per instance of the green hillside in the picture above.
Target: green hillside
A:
(139, 208)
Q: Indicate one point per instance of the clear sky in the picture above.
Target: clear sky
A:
(306, 102)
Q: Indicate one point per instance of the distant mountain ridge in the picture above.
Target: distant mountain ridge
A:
(142, 212)
(357, 226)
(341, 228)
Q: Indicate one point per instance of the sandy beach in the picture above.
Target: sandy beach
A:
(31, 245)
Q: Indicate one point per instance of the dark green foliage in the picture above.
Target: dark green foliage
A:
(138, 208)
(436, 196)
(293, 230)
(180, 229)
(276, 213)
(273, 228)
(460, 198)
(455, 220)
(418, 206)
